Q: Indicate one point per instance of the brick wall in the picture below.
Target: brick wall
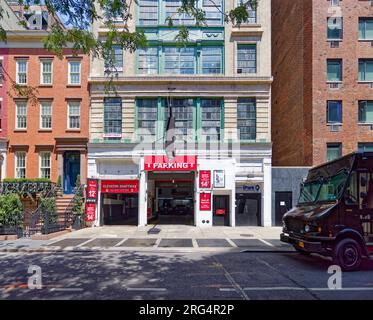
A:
(291, 89)
(60, 92)
(350, 50)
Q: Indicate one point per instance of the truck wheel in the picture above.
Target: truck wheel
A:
(302, 252)
(347, 254)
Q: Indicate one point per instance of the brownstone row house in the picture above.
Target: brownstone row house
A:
(44, 133)
(322, 94)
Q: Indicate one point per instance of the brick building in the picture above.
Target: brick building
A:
(322, 105)
(47, 127)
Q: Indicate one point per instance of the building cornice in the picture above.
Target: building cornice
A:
(196, 79)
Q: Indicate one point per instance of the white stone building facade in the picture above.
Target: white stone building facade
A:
(219, 90)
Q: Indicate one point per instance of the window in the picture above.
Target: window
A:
(212, 58)
(182, 110)
(334, 111)
(367, 147)
(147, 118)
(74, 72)
(46, 115)
(21, 71)
(334, 70)
(333, 151)
(21, 115)
(148, 60)
(20, 164)
(365, 70)
(46, 72)
(179, 60)
(211, 119)
(335, 3)
(335, 29)
(246, 119)
(45, 165)
(366, 28)
(148, 12)
(213, 12)
(74, 115)
(113, 118)
(171, 8)
(251, 11)
(366, 111)
(114, 59)
(246, 58)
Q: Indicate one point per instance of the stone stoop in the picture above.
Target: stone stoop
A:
(62, 203)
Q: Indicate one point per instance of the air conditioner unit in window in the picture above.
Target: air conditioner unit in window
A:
(239, 70)
(334, 44)
(334, 128)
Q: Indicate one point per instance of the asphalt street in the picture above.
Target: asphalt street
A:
(178, 275)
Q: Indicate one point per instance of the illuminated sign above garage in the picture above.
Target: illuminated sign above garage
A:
(162, 163)
(119, 186)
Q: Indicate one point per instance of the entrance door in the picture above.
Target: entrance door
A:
(283, 203)
(220, 214)
(71, 170)
(248, 209)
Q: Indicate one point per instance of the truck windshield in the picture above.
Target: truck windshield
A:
(326, 189)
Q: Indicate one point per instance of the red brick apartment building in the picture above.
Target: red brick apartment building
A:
(46, 131)
(322, 94)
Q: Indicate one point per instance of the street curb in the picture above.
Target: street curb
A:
(57, 249)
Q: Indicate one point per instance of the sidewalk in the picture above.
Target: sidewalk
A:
(156, 238)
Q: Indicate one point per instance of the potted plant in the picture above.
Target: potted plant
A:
(78, 204)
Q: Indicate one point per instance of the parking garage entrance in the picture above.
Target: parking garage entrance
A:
(120, 202)
(171, 198)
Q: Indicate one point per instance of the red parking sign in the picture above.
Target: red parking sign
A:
(92, 190)
(205, 179)
(90, 212)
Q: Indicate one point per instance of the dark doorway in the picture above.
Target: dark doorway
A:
(220, 210)
(173, 201)
(283, 203)
(71, 170)
(248, 209)
(120, 209)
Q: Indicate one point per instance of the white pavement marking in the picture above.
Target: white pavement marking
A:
(157, 242)
(120, 242)
(85, 242)
(194, 242)
(146, 289)
(235, 285)
(294, 289)
(231, 243)
(266, 242)
(66, 289)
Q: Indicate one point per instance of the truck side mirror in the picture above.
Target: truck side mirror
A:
(363, 181)
(363, 195)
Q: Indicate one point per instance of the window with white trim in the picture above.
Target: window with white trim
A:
(246, 58)
(46, 115)
(46, 71)
(21, 69)
(45, 165)
(148, 12)
(74, 115)
(20, 165)
(74, 72)
(21, 115)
